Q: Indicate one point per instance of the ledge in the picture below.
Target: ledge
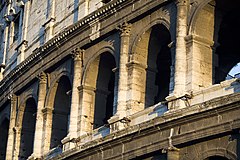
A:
(162, 125)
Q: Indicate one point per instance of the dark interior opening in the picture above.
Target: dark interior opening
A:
(61, 112)
(227, 51)
(158, 65)
(104, 90)
(106, 1)
(28, 129)
(4, 126)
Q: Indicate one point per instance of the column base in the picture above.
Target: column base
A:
(34, 157)
(178, 101)
(117, 123)
(68, 143)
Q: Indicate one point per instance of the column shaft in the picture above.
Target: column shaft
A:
(123, 73)
(11, 132)
(74, 115)
(47, 128)
(181, 56)
(38, 138)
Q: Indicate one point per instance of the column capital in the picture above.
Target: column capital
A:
(13, 98)
(125, 29)
(77, 54)
(88, 88)
(198, 39)
(42, 77)
(182, 2)
(47, 110)
(133, 64)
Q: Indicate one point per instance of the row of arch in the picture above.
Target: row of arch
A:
(102, 78)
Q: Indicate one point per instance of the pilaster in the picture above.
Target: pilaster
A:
(6, 31)
(121, 111)
(47, 125)
(181, 53)
(200, 57)
(125, 31)
(136, 87)
(17, 142)
(38, 137)
(25, 9)
(86, 114)
(75, 110)
(11, 132)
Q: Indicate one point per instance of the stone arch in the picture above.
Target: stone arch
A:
(216, 157)
(49, 115)
(195, 13)
(26, 122)
(21, 108)
(155, 37)
(53, 87)
(98, 86)
(147, 29)
(100, 50)
(219, 152)
(214, 33)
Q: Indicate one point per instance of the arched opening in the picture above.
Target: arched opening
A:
(104, 94)
(28, 129)
(213, 46)
(216, 158)
(4, 126)
(61, 112)
(226, 37)
(158, 65)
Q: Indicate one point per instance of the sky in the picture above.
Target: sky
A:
(235, 70)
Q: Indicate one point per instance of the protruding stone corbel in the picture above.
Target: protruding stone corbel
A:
(20, 3)
(23, 43)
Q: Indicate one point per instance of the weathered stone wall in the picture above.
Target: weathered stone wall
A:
(39, 22)
(58, 68)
